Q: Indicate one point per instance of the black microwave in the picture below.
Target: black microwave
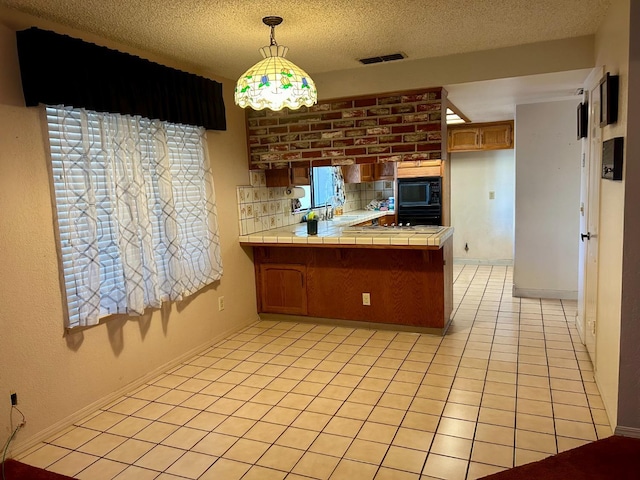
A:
(419, 192)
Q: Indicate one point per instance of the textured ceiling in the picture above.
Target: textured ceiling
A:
(223, 37)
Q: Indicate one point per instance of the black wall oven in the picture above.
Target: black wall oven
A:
(419, 201)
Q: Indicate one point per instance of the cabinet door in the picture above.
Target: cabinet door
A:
(300, 176)
(351, 173)
(384, 171)
(277, 177)
(496, 137)
(366, 172)
(463, 139)
(283, 289)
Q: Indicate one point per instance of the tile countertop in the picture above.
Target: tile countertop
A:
(333, 233)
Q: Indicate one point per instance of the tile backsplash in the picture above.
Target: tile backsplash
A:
(263, 208)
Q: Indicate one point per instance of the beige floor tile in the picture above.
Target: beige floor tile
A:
(215, 444)
(535, 407)
(326, 406)
(568, 428)
(130, 451)
(159, 458)
(396, 401)
(297, 438)
(252, 411)
(572, 412)
(539, 442)
(184, 438)
(407, 459)
(533, 381)
(245, 450)
(329, 444)
(263, 473)
(102, 469)
(352, 470)
(72, 464)
(377, 432)
(345, 427)
(225, 406)
(227, 469)
(577, 399)
(392, 474)
(280, 458)
(492, 454)
(191, 465)
(498, 402)
(366, 451)
(535, 423)
(265, 432)
(439, 466)
(281, 416)
(415, 439)
(565, 443)
(236, 427)
(357, 411)
(367, 397)
(129, 426)
(179, 415)
(603, 431)
(74, 438)
(316, 465)
(206, 421)
(461, 412)
(268, 397)
(534, 393)
(494, 416)
(389, 416)
(136, 473)
(528, 456)
(465, 397)
(495, 434)
(311, 421)
(480, 470)
(451, 446)
(457, 428)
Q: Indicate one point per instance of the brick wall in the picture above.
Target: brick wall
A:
(395, 127)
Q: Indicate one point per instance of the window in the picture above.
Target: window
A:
(322, 191)
(135, 210)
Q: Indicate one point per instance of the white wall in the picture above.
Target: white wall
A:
(612, 52)
(547, 200)
(55, 375)
(484, 224)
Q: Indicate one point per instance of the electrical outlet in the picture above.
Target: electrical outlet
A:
(220, 303)
(492, 195)
(14, 398)
(366, 299)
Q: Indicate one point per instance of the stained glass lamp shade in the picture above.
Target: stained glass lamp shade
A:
(275, 82)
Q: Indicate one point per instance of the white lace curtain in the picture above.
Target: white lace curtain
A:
(136, 212)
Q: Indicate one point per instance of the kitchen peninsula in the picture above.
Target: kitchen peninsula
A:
(405, 274)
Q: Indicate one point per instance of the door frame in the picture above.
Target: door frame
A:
(588, 202)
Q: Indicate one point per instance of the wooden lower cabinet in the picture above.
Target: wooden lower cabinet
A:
(407, 286)
(282, 288)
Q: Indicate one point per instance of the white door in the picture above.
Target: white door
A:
(591, 212)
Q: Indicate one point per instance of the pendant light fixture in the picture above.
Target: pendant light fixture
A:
(275, 82)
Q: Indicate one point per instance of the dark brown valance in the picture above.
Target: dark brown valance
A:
(60, 70)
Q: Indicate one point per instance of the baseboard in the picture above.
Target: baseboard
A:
(580, 328)
(607, 407)
(535, 293)
(627, 431)
(481, 261)
(23, 446)
(279, 317)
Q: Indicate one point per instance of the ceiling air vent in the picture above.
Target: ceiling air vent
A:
(383, 58)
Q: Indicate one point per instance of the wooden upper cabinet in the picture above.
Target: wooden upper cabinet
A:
(284, 177)
(368, 172)
(300, 176)
(384, 171)
(464, 139)
(480, 136)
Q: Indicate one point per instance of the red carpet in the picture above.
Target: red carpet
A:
(20, 471)
(611, 458)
